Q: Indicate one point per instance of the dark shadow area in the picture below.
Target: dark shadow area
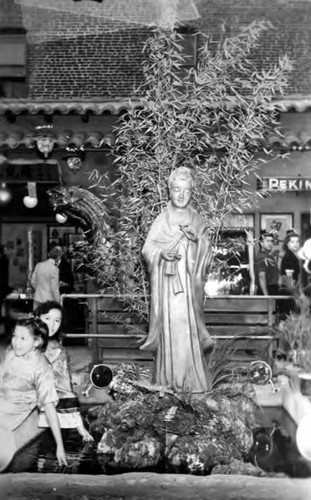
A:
(274, 450)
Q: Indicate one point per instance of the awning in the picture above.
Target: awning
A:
(63, 139)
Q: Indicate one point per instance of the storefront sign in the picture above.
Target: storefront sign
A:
(40, 172)
(285, 184)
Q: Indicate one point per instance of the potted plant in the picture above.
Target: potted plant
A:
(294, 335)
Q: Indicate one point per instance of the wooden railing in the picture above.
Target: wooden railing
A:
(114, 333)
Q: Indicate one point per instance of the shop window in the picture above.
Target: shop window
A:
(278, 225)
(233, 251)
(13, 55)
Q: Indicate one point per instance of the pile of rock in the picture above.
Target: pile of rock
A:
(150, 428)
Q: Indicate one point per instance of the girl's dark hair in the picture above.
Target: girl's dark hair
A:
(38, 329)
(45, 308)
(289, 234)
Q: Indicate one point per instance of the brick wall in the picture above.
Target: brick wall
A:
(291, 33)
(91, 57)
(104, 65)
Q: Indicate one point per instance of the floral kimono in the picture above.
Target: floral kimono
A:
(68, 407)
(26, 383)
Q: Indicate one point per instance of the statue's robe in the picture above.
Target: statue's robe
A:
(177, 332)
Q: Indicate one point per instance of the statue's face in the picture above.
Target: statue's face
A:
(180, 193)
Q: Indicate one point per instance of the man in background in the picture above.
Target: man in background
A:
(4, 277)
(45, 278)
(66, 277)
(266, 267)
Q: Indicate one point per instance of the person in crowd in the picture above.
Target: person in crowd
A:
(266, 267)
(4, 279)
(4, 274)
(51, 313)
(45, 278)
(26, 384)
(66, 278)
(290, 271)
(290, 264)
(304, 254)
(178, 253)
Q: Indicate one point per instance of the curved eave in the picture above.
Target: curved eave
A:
(286, 139)
(23, 106)
(289, 140)
(298, 104)
(62, 139)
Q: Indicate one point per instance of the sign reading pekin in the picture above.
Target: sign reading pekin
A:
(285, 184)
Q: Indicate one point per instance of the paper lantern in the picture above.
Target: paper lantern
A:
(5, 194)
(30, 202)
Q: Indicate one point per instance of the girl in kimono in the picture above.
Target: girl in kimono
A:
(26, 384)
(69, 416)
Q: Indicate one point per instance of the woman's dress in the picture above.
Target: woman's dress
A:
(68, 407)
(290, 261)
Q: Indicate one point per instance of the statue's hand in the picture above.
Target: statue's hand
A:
(170, 256)
(189, 232)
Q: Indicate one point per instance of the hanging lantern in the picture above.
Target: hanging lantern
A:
(31, 200)
(61, 218)
(45, 141)
(74, 157)
(5, 194)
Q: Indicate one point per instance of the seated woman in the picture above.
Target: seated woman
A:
(26, 383)
(51, 314)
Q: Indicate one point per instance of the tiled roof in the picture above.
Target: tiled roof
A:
(20, 106)
(96, 139)
(288, 139)
(63, 139)
(298, 103)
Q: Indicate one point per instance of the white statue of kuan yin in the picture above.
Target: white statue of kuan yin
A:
(178, 252)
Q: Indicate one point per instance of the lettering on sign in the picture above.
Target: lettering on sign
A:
(285, 184)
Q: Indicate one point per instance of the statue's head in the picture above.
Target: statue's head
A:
(180, 185)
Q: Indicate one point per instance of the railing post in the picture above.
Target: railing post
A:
(93, 329)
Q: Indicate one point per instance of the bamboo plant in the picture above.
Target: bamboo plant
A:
(213, 118)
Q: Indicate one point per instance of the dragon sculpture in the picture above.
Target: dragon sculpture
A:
(91, 215)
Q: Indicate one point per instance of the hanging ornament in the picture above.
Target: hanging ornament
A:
(61, 218)
(31, 200)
